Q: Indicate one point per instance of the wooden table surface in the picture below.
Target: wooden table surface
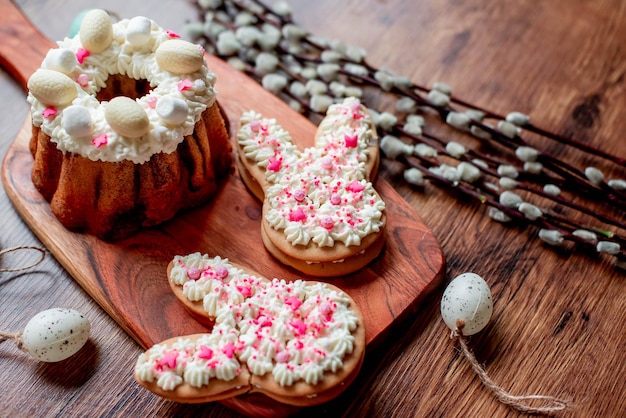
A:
(557, 327)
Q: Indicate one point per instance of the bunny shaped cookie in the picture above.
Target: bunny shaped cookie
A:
(300, 343)
(321, 213)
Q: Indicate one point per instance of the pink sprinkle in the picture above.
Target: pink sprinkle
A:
(328, 223)
(221, 272)
(274, 164)
(299, 344)
(351, 141)
(293, 301)
(185, 85)
(255, 125)
(283, 357)
(81, 54)
(297, 215)
(151, 101)
(49, 112)
(100, 141)
(244, 290)
(326, 309)
(299, 195)
(327, 163)
(169, 360)
(299, 326)
(205, 353)
(172, 34)
(355, 187)
(229, 350)
(82, 80)
(355, 106)
(264, 321)
(335, 199)
(193, 273)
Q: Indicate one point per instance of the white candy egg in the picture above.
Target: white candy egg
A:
(55, 334)
(77, 121)
(61, 60)
(172, 109)
(467, 298)
(138, 30)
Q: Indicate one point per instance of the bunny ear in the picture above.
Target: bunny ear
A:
(264, 149)
(207, 286)
(347, 132)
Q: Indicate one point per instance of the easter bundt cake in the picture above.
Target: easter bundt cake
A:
(127, 130)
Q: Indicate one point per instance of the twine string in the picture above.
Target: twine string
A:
(23, 247)
(517, 402)
(15, 336)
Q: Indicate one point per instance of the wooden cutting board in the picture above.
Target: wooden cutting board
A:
(127, 278)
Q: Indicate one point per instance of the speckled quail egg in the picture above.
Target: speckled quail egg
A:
(55, 334)
(468, 299)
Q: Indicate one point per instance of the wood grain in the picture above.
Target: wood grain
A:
(128, 277)
(558, 315)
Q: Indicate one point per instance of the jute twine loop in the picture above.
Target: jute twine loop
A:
(17, 337)
(23, 247)
(517, 402)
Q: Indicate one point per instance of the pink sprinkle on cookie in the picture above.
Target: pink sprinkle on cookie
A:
(299, 195)
(193, 273)
(355, 187)
(168, 360)
(221, 272)
(328, 222)
(205, 352)
(229, 350)
(283, 357)
(274, 164)
(297, 215)
(294, 302)
(351, 141)
(299, 326)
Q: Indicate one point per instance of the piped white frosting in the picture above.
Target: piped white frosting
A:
(137, 60)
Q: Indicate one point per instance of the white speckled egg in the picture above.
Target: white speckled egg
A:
(467, 298)
(55, 334)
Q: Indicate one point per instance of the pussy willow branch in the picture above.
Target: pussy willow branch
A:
(555, 171)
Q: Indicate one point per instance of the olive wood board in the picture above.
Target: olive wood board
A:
(127, 278)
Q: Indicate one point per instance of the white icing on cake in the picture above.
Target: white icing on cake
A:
(137, 59)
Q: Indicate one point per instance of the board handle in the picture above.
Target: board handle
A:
(23, 46)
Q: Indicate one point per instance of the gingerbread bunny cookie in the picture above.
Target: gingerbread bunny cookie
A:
(321, 213)
(300, 343)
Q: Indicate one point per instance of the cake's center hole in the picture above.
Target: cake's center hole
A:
(121, 85)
